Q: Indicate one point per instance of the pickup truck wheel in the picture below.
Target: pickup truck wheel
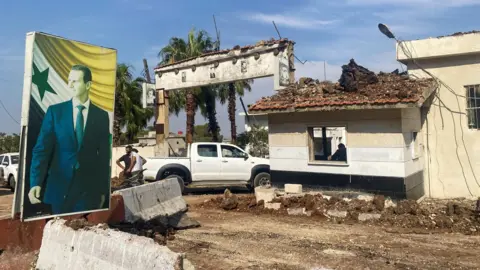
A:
(11, 183)
(179, 179)
(262, 179)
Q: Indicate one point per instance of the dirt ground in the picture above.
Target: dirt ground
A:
(6, 200)
(240, 239)
(245, 240)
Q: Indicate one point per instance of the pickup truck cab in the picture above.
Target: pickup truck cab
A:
(9, 169)
(211, 164)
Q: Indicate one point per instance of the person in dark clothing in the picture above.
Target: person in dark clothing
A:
(340, 154)
(127, 160)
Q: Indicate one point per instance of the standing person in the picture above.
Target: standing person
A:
(70, 168)
(127, 160)
(138, 162)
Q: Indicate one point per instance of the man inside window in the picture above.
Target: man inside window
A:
(340, 154)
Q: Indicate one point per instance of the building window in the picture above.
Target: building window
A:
(327, 144)
(473, 106)
(414, 146)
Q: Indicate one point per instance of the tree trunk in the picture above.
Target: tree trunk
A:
(190, 107)
(231, 111)
(116, 131)
(213, 127)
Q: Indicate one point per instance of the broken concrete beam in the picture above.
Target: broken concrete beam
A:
(367, 216)
(336, 213)
(98, 248)
(274, 206)
(265, 194)
(293, 189)
(146, 202)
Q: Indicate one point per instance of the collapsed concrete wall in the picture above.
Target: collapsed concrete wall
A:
(98, 247)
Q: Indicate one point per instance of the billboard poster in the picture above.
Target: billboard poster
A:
(148, 95)
(67, 117)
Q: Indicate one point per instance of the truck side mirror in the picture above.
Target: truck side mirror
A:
(5, 163)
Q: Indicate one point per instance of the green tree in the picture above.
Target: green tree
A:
(202, 134)
(257, 141)
(129, 112)
(9, 143)
(197, 43)
(229, 93)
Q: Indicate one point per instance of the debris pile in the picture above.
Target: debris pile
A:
(429, 216)
(357, 86)
(355, 77)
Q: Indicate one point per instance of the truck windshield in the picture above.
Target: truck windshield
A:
(14, 159)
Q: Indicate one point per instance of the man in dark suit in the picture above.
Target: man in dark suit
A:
(70, 168)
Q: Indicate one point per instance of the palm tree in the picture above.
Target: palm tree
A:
(129, 113)
(229, 92)
(198, 42)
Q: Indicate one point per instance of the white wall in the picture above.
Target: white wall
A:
(261, 120)
(377, 142)
(452, 159)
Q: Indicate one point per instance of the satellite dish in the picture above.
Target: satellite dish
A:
(384, 29)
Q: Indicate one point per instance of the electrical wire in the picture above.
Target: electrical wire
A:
(5, 108)
(409, 55)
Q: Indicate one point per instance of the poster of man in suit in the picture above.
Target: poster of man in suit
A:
(67, 159)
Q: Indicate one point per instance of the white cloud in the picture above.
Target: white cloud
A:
(288, 21)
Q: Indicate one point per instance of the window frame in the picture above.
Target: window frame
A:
(474, 109)
(415, 145)
(240, 150)
(311, 150)
(208, 144)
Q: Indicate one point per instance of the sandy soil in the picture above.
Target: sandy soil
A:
(255, 240)
(242, 240)
(6, 200)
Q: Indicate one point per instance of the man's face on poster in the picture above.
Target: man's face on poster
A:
(150, 93)
(77, 84)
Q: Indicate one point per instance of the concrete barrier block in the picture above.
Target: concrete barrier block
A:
(293, 188)
(97, 248)
(146, 202)
(265, 194)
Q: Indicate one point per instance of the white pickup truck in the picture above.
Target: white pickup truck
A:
(8, 169)
(211, 164)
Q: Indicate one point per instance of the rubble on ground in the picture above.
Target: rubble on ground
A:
(453, 216)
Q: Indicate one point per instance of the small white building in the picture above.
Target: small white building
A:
(451, 122)
(378, 124)
(259, 119)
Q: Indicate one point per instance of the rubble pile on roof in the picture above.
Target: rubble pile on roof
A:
(243, 49)
(357, 86)
(461, 33)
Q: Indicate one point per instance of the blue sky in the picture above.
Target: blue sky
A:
(331, 31)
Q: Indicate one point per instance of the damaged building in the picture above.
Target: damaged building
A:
(405, 136)
(377, 119)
